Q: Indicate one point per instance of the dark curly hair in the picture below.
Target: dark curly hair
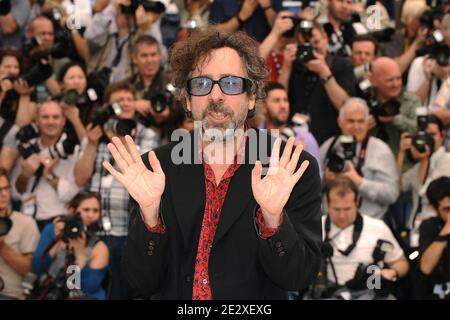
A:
(187, 54)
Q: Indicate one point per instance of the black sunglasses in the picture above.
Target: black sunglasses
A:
(230, 85)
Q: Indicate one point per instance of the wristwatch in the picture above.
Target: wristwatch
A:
(325, 80)
(442, 238)
(50, 177)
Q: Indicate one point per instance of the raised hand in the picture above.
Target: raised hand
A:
(273, 191)
(144, 185)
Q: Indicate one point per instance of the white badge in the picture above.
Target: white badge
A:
(107, 181)
(29, 206)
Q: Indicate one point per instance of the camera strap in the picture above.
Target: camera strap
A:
(330, 148)
(362, 155)
(4, 129)
(358, 225)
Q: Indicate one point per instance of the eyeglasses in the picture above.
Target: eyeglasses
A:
(230, 85)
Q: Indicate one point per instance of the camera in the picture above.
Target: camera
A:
(5, 7)
(337, 160)
(73, 227)
(121, 127)
(37, 74)
(305, 51)
(160, 101)
(291, 32)
(63, 149)
(422, 139)
(102, 115)
(69, 97)
(389, 108)
(149, 6)
(5, 225)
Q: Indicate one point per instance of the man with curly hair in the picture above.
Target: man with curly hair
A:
(207, 227)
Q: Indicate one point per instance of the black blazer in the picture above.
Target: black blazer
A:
(242, 265)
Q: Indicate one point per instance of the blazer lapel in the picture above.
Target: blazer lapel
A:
(236, 201)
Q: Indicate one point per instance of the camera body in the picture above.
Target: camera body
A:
(389, 108)
(5, 225)
(422, 139)
(160, 100)
(337, 158)
(149, 6)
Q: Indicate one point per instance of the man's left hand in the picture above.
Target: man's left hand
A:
(273, 191)
(389, 274)
(352, 174)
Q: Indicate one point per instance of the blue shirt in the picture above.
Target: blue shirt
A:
(256, 26)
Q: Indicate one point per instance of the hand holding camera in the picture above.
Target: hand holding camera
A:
(405, 142)
(283, 23)
(318, 65)
(93, 133)
(30, 165)
(290, 54)
(58, 225)
(49, 164)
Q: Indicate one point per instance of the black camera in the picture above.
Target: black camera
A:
(27, 149)
(291, 32)
(27, 133)
(440, 53)
(5, 225)
(121, 127)
(63, 149)
(38, 74)
(5, 7)
(160, 101)
(149, 6)
(73, 227)
(337, 160)
(102, 115)
(389, 108)
(422, 139)
(69, 97)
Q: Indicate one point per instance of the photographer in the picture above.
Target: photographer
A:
(276, 117)
(319, 83)
(428, 72)
(434, 242)
(115, 199)
(13, 18)
(78, 101)
(75, 233)
(433, 162)
(393, 110)
(19, 236)
(252, 16)
(15, 99)
(150, 84)
(112, 33)
(41, 39)
(353, 242)
(43, 178)
(366, 161)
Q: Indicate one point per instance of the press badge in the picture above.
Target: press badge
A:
(107, 181)
(29, 207)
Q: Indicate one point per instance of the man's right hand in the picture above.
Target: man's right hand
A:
(405, 142)
(282, 23)
(30, 165)
(144, 185)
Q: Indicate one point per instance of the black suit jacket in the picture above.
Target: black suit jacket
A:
(242, 265)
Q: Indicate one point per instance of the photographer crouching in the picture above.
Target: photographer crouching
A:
(71, 240)
(356, 249)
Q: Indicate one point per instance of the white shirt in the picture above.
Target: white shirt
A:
(373, 230)
(50, 202)
(416, 77)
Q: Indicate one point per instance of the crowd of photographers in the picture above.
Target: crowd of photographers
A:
(363, 85)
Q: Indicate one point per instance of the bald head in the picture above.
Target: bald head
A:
(386, 78)
(384, 65)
